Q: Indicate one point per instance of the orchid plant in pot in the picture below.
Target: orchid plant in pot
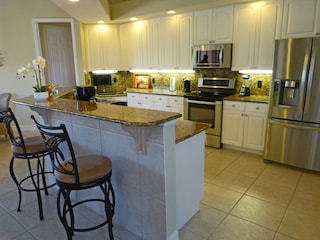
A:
(36, 69)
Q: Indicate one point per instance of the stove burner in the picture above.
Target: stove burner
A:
(212, 89)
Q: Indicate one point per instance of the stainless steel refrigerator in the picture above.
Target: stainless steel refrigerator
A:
(293, 128)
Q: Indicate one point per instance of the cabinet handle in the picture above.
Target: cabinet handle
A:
(233, 105)
(242, 114)
(257, 108)
(211, 41)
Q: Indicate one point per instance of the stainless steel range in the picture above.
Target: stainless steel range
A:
(205, 105)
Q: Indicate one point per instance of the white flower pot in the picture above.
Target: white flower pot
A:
(40, 96)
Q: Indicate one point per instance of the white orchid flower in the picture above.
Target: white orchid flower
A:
(39, 62)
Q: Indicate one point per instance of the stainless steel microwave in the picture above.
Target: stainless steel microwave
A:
(212, 56)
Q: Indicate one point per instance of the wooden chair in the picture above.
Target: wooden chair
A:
(76, 173)
(4, 104)
(33, 151)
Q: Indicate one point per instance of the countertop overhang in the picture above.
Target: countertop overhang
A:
(120, 114)
(107, 112)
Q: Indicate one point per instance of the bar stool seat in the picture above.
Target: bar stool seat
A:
(76, 173)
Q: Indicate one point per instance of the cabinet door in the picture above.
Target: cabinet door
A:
(300, 18)
(203, 27)
(155, 46)
(232, 127)
(184, 41)
(268, 23)
(222, 24)
(128, 46)
(102, 46)
(168, 42)
(244, 36)
(141, 32)
(254, 134)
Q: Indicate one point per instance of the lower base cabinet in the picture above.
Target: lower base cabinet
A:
(244, 124)
(156, 101)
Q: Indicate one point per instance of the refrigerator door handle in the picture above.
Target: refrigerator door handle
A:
(309, 128)
(309, 84)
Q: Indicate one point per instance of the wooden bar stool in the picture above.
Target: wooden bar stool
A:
(30, 149)
(75, 173)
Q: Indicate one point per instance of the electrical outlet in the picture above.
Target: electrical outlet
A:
(114, 80)
(259, 84)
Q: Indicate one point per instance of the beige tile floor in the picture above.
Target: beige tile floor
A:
(244, 198)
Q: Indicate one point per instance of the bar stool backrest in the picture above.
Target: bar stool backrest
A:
(4, 100)
(14, 132)
(60, 148)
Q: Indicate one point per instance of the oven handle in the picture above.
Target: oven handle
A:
(204, 102)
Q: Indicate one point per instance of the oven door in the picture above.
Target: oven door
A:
(208, 112)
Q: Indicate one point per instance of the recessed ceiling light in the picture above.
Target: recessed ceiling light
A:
(74, 0)
(101, 22)
(171, 12)
(133, 19)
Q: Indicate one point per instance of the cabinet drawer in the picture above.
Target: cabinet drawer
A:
(160, 99)
(257, 107)
(176, 100)
(133, 96)
(233, 105)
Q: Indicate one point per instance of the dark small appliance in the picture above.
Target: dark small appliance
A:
(86, 93)
(186, 85)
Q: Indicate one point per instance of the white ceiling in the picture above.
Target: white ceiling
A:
(116, 11)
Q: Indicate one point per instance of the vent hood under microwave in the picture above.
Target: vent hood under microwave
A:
(212, 56)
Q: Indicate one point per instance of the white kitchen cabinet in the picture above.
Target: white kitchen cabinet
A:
(168, 103)
(102, 47)
(256, 26)
(156, 101)
(140, 100)
(176, 34)
(213, 25)
(155, 46)
(244, 124)
(129, 46)
(300, 18)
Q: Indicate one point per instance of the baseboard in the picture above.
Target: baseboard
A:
(258, 152)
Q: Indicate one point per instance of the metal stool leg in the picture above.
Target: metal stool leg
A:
(36, 185)
(13, 176)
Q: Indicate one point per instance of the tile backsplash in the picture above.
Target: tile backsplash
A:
(123, 80)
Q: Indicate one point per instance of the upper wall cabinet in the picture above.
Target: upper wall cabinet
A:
(300, 18)
(176, 34)
(213, 25)
(256, 26)
(135, 48)
(102, 47)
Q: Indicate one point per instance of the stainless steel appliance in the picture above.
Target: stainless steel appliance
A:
(293, 129)
(102, 82)
(212, 56)
(205, 105)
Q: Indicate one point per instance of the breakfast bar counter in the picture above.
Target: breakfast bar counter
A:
(158, 160)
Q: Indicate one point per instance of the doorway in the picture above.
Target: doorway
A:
(55, 42)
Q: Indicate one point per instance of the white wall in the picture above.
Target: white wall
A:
(18, 47)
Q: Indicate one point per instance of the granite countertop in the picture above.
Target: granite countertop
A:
(103, 111)
(156, 91)
(186, 129)
(252, 98)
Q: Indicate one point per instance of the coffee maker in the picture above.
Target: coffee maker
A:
(245, 89)
(186, 85)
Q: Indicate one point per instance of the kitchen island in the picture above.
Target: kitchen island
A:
(158, 161)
